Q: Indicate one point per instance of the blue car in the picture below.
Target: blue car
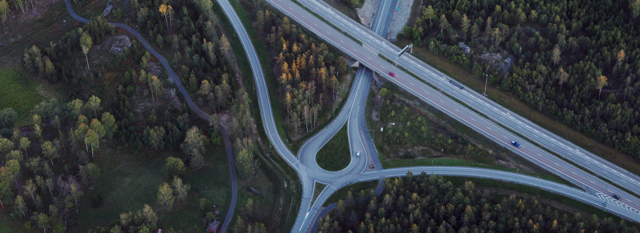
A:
(515, 143)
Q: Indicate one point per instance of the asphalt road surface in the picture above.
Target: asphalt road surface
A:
(456, 110)
(175, 79)
(478, 102)
(307, 168)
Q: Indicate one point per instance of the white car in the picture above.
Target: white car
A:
(358, 153)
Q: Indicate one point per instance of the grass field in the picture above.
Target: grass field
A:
(129, 181)
(335, 155)
(18, 92)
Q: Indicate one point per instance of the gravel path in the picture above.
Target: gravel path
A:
(367, 12)
(400, 18)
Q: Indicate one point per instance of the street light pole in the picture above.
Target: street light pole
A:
(485, 84)
(432, 167)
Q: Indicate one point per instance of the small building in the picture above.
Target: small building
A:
(213, 226)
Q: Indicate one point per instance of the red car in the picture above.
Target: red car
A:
(392, 74)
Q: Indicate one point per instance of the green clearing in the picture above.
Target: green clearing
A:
(18, 92)
(452, 127)
(335, 155)
(129, 181)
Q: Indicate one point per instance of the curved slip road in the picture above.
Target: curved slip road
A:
(355, 174)
(435, 98)
(175, 79)
(479, 103)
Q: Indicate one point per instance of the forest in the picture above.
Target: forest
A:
(433, 204)
(577, 61)
(123, 100)
(309, 73)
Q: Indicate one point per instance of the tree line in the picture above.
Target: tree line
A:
(308, 73)
(433, 204)
(577, 61)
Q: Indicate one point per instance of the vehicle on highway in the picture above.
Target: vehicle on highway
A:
(392, 74)
(358, 153)
(616, 197)
(456, 84)
(515, 143)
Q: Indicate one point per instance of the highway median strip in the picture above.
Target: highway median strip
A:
(327, 22)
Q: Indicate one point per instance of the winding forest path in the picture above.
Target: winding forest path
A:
(175, 79)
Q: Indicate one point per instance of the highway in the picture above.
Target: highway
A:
(477, 101)
(308, 170)
(454, 109)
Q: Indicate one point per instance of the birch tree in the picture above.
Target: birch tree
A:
(180, 189)
(86, 43)
(165, 196)
(49, 151)
(30, 188)
(20, 206)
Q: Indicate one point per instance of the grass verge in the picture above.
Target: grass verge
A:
(391, 163)
(335, 155)
(317, 190)
(464, 130)
(512, 103)
(328, 23)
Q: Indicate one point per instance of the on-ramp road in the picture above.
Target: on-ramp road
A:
(479, 103)
(351, 174)
(470, 118)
